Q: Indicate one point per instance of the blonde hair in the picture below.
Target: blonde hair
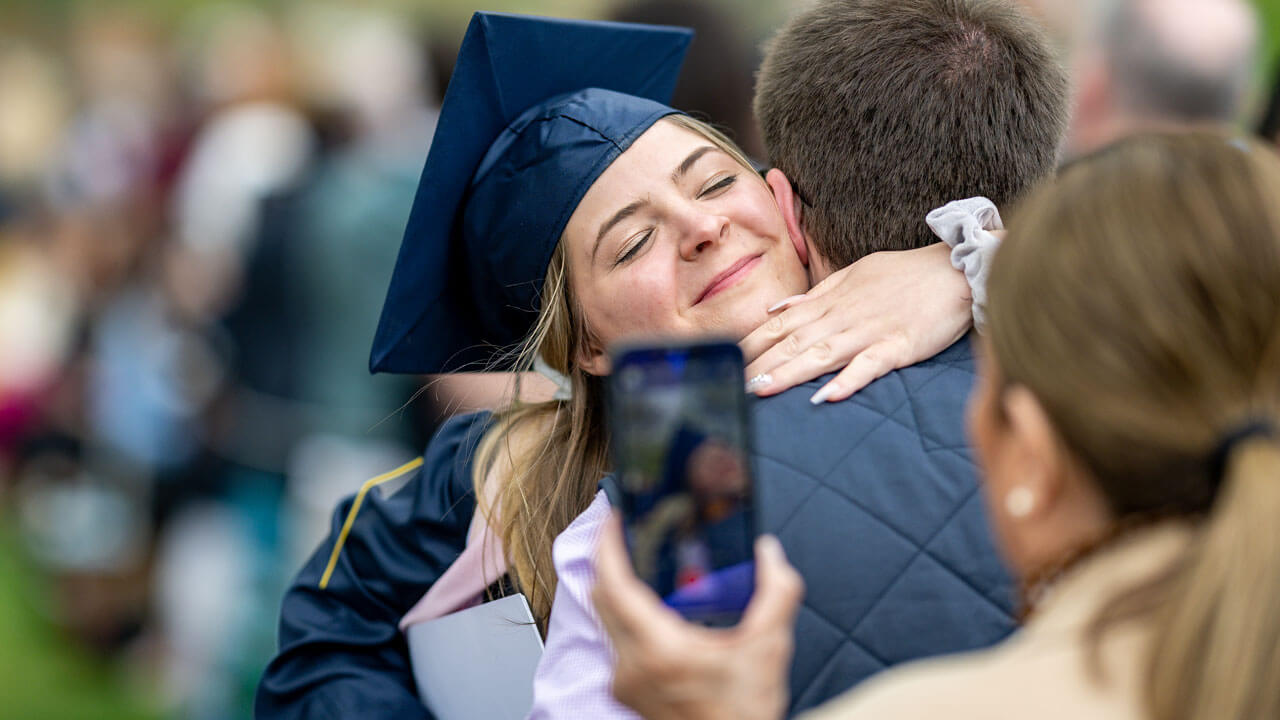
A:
(545, 484)
(1138, 298)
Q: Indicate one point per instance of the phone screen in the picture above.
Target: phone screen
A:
(678, 424)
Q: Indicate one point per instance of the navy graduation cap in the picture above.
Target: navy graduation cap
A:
(536, 109)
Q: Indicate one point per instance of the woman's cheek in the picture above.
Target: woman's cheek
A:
(640, 303)
(764, 215)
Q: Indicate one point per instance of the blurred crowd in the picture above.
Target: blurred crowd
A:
(196, 232)
(198, 221)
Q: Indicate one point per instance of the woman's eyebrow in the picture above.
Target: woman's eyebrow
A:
(687, 164)
(618, 217)
(681, 170)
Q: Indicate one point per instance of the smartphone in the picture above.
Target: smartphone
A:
(678, 424)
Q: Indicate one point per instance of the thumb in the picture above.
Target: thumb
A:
(779, 589)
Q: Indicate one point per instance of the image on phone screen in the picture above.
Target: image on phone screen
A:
(678, 425)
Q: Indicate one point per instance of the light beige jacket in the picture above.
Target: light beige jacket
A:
(1041, 671)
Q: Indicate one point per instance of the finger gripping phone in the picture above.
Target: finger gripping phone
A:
(678, 424)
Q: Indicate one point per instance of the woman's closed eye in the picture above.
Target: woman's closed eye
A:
(634, 248)
(722, 184)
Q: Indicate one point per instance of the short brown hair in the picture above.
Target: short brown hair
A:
(880, 110)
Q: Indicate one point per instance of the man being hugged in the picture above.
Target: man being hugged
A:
(874, 112)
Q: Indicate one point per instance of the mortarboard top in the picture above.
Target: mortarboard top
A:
(533, 114)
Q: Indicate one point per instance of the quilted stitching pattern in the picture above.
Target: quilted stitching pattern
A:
(876, 502)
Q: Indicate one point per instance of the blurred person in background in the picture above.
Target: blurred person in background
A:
(321, 260)
(1160, 64)
(84, 458)
(715, 84)
(253, 140)
(87, 465)
(289, 206)
(40, 302)
(1063, 21)
(1128, 425)
(145, 187)
(216, 536)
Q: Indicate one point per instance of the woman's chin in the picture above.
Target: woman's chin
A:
(736, 322)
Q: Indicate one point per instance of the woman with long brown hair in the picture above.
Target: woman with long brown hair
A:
(1128, 424)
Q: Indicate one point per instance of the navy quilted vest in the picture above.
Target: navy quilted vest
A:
(876, 502)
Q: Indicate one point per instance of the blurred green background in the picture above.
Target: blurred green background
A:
(444, 20)
(443, 17)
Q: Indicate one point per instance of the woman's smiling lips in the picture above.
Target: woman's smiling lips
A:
(729, 277)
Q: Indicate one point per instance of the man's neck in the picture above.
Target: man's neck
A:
(819, 267)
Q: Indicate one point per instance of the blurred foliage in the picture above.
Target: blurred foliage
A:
(46, 676)
(1270, 12)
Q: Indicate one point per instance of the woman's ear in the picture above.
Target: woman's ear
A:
(592, 358)
(789, 204)
(1043, 462)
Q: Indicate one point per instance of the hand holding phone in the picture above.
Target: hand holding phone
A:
(678, 427)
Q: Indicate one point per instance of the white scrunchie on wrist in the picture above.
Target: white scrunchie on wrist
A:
(963, 225)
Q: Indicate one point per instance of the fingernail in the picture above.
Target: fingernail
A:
(759, 382)
(769, 545)
(827, 391)
(784, 302)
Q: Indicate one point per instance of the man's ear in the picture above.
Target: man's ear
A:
(789, 204)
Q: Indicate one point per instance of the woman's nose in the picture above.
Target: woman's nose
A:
(702, 232)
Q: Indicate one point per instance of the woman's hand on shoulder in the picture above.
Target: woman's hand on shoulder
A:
(886, 311)
(669, 669)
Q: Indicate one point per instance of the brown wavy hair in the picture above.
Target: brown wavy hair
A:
(1138, 298)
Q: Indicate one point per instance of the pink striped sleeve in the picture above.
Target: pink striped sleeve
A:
(576, 669)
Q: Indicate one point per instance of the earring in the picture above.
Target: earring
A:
(1019, 502)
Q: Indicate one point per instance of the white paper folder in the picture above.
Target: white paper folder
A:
(478, 662)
